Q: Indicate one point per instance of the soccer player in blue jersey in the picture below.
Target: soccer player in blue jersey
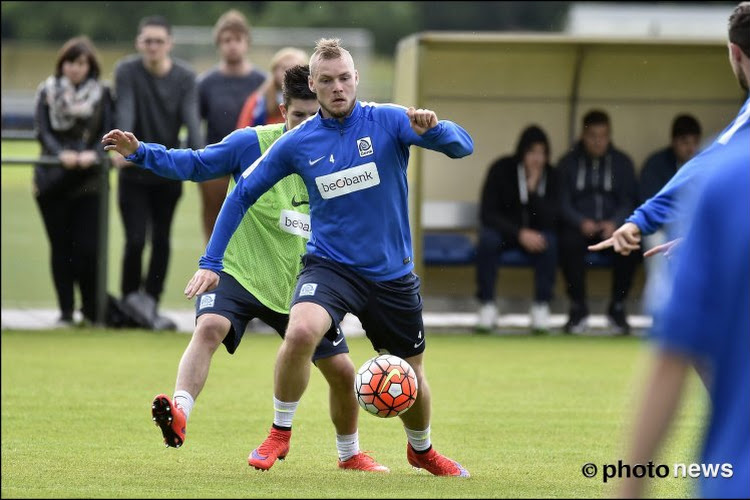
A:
(667, 206)
(352, 157)
(262, 263)
(707, 321)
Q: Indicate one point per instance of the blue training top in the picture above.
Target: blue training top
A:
(665, 206)
(355, 173)
(707, 318)
(232, 155)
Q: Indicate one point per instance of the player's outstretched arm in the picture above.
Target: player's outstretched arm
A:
(624, 240)
(215, 160)
(258, 178)
(667, 248)
(124, 143)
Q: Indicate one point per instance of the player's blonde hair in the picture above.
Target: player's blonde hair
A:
(325, 49)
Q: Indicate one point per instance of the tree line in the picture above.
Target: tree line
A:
(116, 22)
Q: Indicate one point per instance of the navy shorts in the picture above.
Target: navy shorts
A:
(232, 301)
(390, 311)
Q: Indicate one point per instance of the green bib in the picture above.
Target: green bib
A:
(264, 253)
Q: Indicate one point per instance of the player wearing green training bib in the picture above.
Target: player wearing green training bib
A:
(264, 254)
(261, 266)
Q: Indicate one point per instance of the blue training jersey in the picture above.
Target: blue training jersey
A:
(355, 173)
(707, 318)
(666, 207)
(232, 155)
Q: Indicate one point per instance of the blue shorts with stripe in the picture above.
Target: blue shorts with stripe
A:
(232, 301)
(390, 311)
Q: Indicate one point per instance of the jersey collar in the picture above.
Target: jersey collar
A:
(348, 121)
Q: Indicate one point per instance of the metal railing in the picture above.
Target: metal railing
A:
(102, 245)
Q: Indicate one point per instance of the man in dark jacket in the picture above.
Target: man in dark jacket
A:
(658, 169)
(518, 210)
(598, 190)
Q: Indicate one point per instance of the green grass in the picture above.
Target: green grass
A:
(26, 275)
(522, 414)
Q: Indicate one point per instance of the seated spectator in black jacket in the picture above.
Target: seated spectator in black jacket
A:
(598, 190)
(73, 110)
(518, 210)
(657, 171)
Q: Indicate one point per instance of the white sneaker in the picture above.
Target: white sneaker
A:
(539, 316)
(487, 316)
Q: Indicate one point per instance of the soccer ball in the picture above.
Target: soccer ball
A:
(386, 386)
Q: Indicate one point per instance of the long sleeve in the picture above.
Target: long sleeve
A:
(491, 207)
(50, 144)
(446, 137)
(627, 194)
(125, 99)
(254, 181)
(215, 160)
(191, 117)
(661, 208)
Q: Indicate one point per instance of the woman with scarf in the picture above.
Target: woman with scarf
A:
(73, 111)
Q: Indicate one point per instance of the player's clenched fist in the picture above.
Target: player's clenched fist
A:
(202, 281)
(421, 120)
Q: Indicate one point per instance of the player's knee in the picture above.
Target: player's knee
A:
(303, 335)
(211, 332)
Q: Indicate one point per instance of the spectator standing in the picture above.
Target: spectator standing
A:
(73, 109)
(155, 96)
(221, 93)
(519, 210)
(598, 190)
(262, 106)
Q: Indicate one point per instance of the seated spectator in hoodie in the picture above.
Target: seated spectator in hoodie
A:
(519, 210)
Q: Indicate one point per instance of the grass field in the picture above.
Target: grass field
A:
(26, 276)
(522, 414)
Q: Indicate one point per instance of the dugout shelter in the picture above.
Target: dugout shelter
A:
(495, 84)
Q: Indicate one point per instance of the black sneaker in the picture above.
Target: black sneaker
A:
(618, 321)
(578, 320)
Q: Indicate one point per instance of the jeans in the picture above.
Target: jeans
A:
(492, 244)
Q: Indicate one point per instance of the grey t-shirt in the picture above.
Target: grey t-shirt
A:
(221, 98)
(155, 108)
